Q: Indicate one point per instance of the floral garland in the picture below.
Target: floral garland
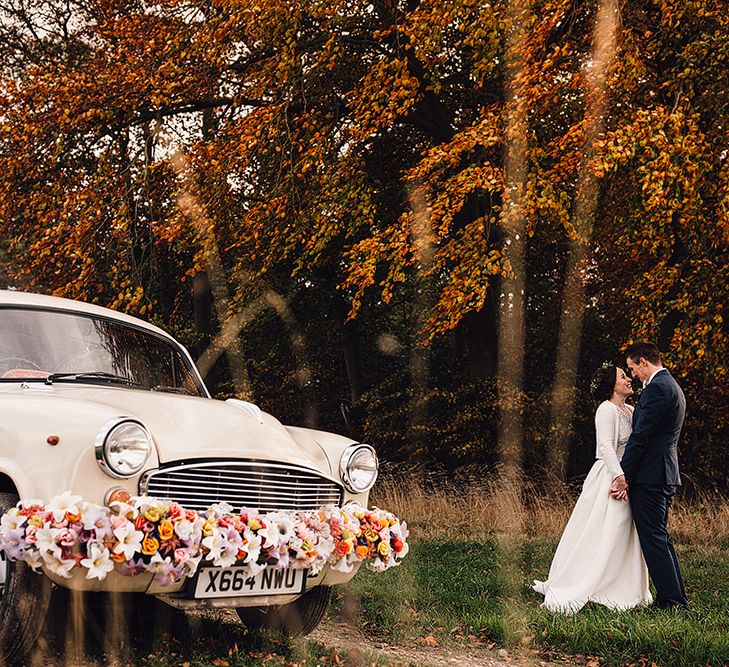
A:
(163, 538)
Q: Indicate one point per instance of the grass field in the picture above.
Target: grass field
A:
(454, 590)
(473, 579)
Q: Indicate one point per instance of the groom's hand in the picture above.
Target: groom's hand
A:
(619, 488)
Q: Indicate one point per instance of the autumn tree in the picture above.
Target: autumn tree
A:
(355, 157)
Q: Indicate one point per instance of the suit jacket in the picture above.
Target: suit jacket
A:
(650, 454)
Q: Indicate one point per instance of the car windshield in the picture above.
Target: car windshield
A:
(55, 346)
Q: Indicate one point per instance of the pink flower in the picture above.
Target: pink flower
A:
(182, 556)
(67, 537)
(30, 532)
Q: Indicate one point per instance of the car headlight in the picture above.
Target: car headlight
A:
(358, 468)
(123, 447)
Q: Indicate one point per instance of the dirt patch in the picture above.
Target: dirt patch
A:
(424, 652)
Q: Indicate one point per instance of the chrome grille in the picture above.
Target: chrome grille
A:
(257, 485)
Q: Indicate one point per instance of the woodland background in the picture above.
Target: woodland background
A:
(338, 204)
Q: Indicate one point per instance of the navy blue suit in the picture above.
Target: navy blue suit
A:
(650, 464)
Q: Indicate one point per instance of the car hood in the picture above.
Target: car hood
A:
(182, 427)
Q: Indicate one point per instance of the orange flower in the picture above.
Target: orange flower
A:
(150, 545)
(343, 548)
(362, 551)
(72, 518)
(166, 529)
(117, 558)
(376, 525)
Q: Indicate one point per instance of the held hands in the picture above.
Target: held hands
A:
(619, 488)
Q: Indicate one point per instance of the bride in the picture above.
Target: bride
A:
(599, 558)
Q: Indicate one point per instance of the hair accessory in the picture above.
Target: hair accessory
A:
(599, 374)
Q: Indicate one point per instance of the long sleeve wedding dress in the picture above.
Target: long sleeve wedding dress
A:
(599, 558)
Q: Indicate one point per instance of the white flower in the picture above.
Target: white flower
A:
(283, 556)
(190, 566)
(31, 502)
(56, 565)
(255, 568)
(13, 543)
(45, 541)
(97, 519)
(325, 547)
(252, 546)
(130, 540)
(157, 563)
(11, 520)
(342, 565)
(377, 565)
(215, 544)
(284, 525)
(66, 502)
(184, 529)
(223, 545)
(124, 509)
(219, 509)
(227, 557)
(297, 546)
(98, 562)
(269, 535)
(33, 558)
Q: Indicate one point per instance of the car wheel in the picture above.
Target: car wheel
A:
(24, 597)
(299, 617)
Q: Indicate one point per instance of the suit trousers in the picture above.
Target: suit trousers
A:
(650, 504)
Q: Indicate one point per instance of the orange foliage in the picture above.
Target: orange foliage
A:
(365, 140)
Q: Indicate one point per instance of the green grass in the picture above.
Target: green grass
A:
(446, 588)
(457, 589)
(466, 592)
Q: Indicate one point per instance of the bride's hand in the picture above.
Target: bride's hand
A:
(619, 488)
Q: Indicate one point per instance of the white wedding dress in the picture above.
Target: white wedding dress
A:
(599, 558)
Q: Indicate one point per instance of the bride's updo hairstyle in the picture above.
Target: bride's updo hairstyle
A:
(603, 382)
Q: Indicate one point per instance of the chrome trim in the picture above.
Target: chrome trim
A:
(99, 445)
(251, 483)
(346, 459)
(225, 603)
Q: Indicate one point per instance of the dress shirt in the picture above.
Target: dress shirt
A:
(653, 374)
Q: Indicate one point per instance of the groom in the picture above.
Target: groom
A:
(650, 467)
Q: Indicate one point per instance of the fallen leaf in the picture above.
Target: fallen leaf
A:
(428, 641)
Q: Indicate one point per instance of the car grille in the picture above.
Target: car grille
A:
(251, 484)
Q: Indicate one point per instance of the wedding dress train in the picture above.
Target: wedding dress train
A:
(599, 558)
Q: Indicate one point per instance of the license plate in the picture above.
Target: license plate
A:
(215, 582)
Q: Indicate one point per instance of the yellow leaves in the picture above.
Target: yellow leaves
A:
(386, 92)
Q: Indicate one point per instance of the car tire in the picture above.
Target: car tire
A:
(23, 602)
(296, 618)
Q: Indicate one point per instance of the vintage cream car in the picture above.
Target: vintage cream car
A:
(107, 406)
